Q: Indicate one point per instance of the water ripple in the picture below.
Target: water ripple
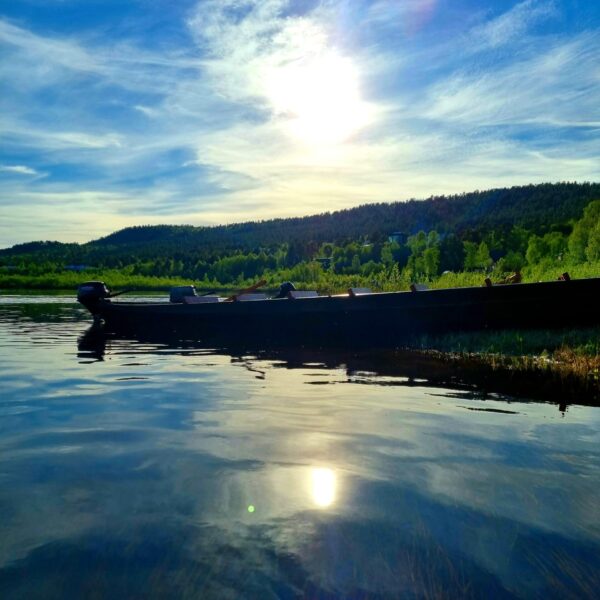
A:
(163, 468)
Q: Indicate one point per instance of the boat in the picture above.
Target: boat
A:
(357, 317)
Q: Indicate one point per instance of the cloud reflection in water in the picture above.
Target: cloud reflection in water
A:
(367, 484)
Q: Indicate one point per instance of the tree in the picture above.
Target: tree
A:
(326, 250)
(370, 268)
(578, 240)
(512, 261)
(483, 258)
(592, 249)
(417, 243)
(433, 239)
(452, 254)
(536, 250)
(431, 260)
(556, 245)
(470, 255)
(387, 256)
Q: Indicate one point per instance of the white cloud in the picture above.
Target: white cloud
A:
(46, 138)
(52, 58)
(19, 170)
(67, 54)
(147, 110)
(550, 86)
(511, 25)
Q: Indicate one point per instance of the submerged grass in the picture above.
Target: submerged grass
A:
(567, 353)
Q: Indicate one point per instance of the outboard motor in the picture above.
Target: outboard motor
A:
(91, 292)
(180, 292)
(284, 289)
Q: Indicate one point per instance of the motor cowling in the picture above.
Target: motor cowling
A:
(284, 289)
(91, 292)
(180, 292)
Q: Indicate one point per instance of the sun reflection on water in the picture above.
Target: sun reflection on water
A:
(323, 487)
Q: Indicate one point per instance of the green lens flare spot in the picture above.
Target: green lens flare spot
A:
(251, 508)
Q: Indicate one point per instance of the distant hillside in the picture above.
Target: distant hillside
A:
(535, 207)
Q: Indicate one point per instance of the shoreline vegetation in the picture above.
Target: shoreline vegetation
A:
(554, 361)
(155, 258)
(389, 279)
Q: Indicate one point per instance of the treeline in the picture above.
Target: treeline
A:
(531, 228)
(534, 207)
(424, 256)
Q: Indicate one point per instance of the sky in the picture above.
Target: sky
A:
(116, 113)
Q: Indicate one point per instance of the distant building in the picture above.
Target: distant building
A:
(76, 268)
(325, 261)
(397, 237)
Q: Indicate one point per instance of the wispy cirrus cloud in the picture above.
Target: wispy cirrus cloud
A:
(19, 170)
(557, 86)
(512, 25)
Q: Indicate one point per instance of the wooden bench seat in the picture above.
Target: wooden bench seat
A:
(200, 299)
(296, 294)
(251, 297)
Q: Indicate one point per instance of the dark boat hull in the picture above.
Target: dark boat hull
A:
(385, 317)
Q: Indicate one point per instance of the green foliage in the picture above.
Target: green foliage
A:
(157, 257)
(583, 230)
(431, 261)
(551, 246)
(452, 254)
(536, 250)
(510, 263)
(424, 259)
(483, 258)
(556, 243)
(470, 256)
(592, 250)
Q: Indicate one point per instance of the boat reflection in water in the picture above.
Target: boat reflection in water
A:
(404, 367)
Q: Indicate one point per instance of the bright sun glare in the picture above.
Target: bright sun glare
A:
(319, 100)
(323, 487)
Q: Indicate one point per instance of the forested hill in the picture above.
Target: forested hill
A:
(534, 207)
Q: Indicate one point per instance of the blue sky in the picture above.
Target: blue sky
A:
(121, 113)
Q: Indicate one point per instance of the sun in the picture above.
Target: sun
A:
(318, 101)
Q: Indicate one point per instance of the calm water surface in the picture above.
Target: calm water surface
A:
(147, 469)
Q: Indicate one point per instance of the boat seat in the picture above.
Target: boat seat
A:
(295, 294)
(418, 287)
(359, 291)
(250, 297)
(200, 299)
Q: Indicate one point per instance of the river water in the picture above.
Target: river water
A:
(141, 469)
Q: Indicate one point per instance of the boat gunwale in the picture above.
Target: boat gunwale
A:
(360, 297)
